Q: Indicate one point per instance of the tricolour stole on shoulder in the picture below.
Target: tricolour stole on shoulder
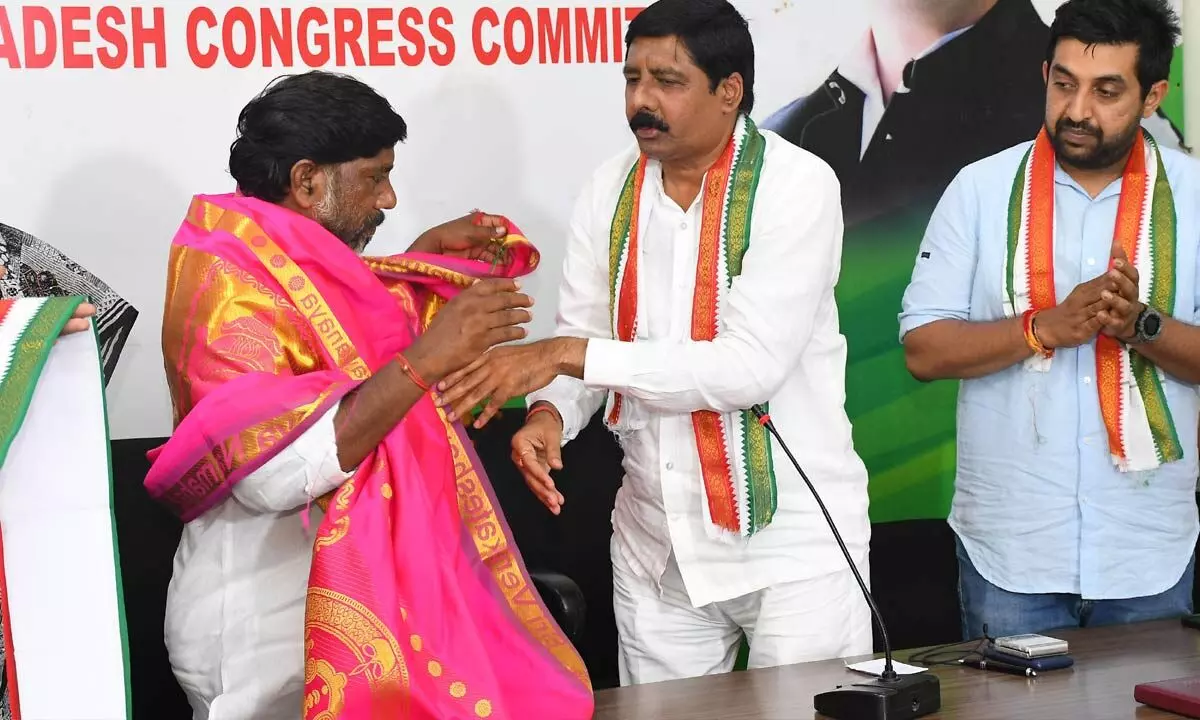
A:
(734, 448)
(1141, 432)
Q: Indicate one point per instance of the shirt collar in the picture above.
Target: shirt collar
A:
(1062, 177)
(862, 69)
(655, 179)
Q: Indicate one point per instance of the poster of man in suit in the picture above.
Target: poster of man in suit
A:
(932, 86)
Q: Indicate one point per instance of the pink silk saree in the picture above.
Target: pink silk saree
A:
(419, 605)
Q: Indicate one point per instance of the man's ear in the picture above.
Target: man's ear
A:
(1154, 98)
(731, 90)
(308, 183)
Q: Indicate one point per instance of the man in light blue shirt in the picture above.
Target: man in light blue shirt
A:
(1075, 341)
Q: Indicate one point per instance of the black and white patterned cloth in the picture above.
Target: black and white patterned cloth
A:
(36, 269)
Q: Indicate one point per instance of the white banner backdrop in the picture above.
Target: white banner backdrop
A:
(134, 107)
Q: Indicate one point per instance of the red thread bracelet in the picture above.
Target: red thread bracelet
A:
(412, 373)
(543, 408)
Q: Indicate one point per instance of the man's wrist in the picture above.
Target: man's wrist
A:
(544, 407)
(570, 354)
(1042, 331)
(1132, 334)
(429, 367)
(1033, 337)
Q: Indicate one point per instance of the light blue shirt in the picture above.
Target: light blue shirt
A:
(1038, 503)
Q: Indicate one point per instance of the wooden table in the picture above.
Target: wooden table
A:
(1108, 663)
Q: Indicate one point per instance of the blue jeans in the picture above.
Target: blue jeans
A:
(1009, 613)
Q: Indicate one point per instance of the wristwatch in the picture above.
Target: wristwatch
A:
(1148, 325)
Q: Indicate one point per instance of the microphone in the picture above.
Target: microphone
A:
(891, 696)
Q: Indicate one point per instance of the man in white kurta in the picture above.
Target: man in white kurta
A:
(683, 599)
(686, 590)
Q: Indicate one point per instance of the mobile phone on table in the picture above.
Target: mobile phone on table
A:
(1040, 664)
(1031, 645)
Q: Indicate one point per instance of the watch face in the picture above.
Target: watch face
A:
(1152, 324)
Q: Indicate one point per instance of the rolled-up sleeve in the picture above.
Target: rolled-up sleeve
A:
(944, 273)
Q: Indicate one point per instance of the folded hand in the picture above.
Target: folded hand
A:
(1123, 306)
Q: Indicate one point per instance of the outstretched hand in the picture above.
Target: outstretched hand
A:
(496, 377)
(536, 450)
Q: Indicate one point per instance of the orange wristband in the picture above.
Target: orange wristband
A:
(1031, 338)
(412, 373)
(543, 408)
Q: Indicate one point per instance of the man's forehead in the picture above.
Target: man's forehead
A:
(660, 53)
(385, 157)
(1096, 61)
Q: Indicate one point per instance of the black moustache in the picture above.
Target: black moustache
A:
(1081, 128)
(644, 120)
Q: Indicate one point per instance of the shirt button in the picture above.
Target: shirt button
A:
(1091, 261)
(683, 225)
(670, 466)
(1087, 380)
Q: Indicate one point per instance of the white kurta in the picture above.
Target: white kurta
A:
(779, 341)
(235, 606)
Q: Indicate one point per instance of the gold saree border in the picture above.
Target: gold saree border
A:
(496, 551)
(207, 475)
(191, 317)
(211, 217)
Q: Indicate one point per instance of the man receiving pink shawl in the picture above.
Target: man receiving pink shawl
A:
(300, 376)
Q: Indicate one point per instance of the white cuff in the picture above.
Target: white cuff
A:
(602, 367)
(317, 446)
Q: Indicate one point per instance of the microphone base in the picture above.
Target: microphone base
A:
(908, 696)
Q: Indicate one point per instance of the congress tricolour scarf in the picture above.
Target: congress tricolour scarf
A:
(65, 650)
(1141, 432)
(734, 448)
